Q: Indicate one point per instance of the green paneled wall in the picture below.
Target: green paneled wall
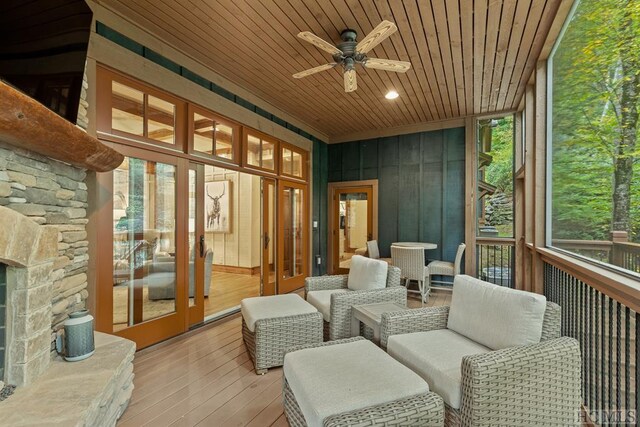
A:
(421, 187)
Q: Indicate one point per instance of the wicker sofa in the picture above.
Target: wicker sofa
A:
(333, 298)
(495, 356)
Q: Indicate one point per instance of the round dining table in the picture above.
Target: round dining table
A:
(424, 245)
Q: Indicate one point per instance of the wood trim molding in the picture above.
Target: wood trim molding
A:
(27, 124)
(471, 206)
(400, 130)
(615, 285)
(331, 188)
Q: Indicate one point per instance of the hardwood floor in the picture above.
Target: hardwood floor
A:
(206, 378)
(228, 289)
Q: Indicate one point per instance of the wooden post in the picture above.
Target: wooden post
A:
(540, 168)
(470, 196)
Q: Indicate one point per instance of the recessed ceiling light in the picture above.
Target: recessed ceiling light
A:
(392, 94)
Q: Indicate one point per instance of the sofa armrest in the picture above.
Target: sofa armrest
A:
(341, 303)
(324, 283)
(540, 383)
(324, 344)
(415, 320)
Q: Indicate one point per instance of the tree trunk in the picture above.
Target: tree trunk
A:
(626, 144)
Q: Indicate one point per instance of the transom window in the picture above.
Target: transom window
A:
(293, 161)
(261, 152)
(214, 136)
(137, 113)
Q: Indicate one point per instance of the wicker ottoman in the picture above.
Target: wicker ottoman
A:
(353, 382)
(272, 325)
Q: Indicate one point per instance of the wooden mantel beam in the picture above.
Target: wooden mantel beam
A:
(25, 123)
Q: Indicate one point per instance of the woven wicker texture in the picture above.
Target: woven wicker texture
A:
(534, 385)
(552, 322)
(341, 303)
(531, 385)
(420, 410)
(410, 260)
(273, 337)
(416, 320)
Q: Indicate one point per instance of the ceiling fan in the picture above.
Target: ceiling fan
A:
(350, 52)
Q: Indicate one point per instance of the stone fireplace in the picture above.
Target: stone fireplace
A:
(44, 259)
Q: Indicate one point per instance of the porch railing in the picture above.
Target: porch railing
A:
(608, 335)
(621, 253)
(496, 261)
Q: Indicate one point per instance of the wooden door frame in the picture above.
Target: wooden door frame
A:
(195, 314)
(333, 186)
(264, 204)
(163, 327)
(297, 280)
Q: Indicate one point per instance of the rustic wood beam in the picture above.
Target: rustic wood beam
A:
(25, 123)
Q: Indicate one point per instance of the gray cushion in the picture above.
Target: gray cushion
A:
(495, 316)
(436, 356)
(259, 308)
(322, 301)
(367, 273)
(344, 377)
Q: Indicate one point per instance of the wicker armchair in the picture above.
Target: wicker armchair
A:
(532, 385)
(339, 325)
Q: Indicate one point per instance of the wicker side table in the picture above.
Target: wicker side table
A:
(272, 337)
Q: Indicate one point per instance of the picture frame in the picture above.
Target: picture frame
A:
(217, 204)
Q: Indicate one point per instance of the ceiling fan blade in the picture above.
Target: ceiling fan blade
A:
(314, 70)
(318, 42)
(376, 36)
(387, 65)
(350, 83)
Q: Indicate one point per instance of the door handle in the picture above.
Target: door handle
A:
(202, 246)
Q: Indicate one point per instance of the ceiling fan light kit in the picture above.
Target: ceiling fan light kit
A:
(350, 52)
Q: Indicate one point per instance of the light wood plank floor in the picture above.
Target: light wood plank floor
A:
(205, 378)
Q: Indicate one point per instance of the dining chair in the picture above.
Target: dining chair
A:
(374, 251)
(445, 268)
(411, 263)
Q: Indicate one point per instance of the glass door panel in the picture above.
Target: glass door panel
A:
(146, 250)
(268, 236)
(293, 236)
(352, 225)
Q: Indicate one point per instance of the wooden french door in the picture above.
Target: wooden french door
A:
(195, 244)
(269, 236)
(293, 235)
(142, 264)
(351, 225)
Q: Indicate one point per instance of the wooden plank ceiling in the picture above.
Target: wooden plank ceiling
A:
(468, 57)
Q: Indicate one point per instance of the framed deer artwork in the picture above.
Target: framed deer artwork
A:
(217, 202)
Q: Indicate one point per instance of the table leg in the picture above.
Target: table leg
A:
(355, 326)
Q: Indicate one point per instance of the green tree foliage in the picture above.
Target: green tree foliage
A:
(596, 91)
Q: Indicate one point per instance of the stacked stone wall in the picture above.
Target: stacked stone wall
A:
(52, 193)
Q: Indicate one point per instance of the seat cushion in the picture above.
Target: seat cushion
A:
(322, 301)
(441, 268)
(437, 357)
(338, 378)
(367, 273)
(258, 308)
(495, 316)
